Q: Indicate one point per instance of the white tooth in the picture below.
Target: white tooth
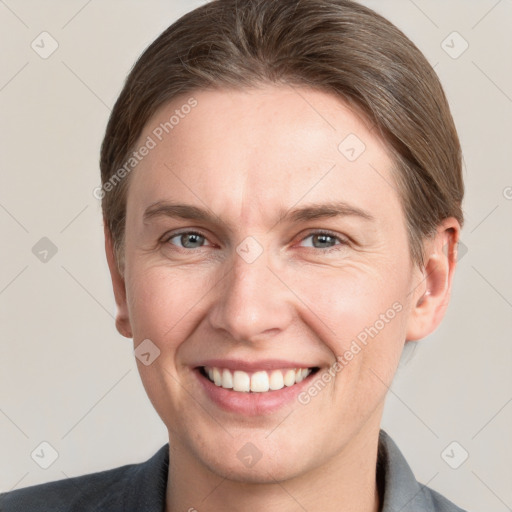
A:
(276, 380)
(227, 379)
(217, 377)
(259, 382)
(289, 377)
(241, 381)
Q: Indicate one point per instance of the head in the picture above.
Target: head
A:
(281, 186)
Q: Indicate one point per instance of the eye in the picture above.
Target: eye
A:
(324, 240)
(187, 240)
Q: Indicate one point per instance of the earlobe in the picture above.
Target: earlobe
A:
(433, 286)
(122, 316)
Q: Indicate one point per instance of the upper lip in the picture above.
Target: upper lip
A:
(252, 366)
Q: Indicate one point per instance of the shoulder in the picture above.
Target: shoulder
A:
(79, 493)
(109, 490)
(438, 503)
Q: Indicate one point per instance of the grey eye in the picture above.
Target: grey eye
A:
(188, 240)
(321, 240)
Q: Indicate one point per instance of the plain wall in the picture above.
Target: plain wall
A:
(68, 378)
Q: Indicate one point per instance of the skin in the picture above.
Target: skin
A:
(245, 155)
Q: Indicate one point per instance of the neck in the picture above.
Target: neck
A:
(347, 482)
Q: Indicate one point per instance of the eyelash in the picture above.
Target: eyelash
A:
(342, 242)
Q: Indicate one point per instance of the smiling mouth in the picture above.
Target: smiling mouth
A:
(256, 382)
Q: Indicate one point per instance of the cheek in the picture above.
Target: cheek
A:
(361, 317)
(162, 301)
(342, 302)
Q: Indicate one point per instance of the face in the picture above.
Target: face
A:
(266, 250)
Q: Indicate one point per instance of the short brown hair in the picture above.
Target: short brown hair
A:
(336, 46)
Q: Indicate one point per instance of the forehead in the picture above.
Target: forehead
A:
(242, 152)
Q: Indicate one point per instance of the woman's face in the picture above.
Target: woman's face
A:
(264, 234)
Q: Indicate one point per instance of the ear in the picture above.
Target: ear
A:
(434, 282)
(118, 284)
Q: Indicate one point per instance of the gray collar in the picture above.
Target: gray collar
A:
(399, 489)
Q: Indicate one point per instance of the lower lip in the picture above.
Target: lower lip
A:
(250, 403)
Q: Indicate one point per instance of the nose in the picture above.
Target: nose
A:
(252, 302)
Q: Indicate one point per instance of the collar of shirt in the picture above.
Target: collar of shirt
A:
(398, 488)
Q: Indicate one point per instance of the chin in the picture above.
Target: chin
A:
(264, 472)
(254, 459)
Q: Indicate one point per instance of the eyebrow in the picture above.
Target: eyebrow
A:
(304, 213)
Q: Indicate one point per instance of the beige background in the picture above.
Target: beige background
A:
(68, 378)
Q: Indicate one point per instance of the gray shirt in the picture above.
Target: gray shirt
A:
(141, 487)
